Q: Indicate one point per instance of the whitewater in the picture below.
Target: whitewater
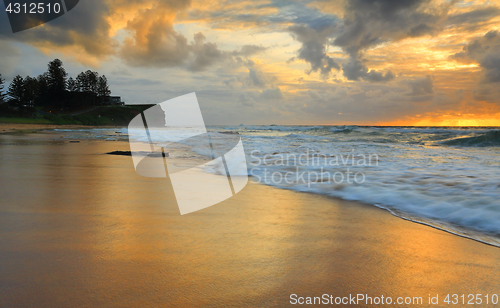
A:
(445, 177)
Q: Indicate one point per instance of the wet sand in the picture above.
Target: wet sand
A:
(81, 229)
(9, 128)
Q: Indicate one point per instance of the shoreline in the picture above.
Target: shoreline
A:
(460, 231)
(435, 226)
(128, 246)
(25, 128)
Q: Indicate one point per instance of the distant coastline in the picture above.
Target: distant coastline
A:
(24, 128)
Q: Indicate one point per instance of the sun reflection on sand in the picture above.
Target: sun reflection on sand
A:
(92, 232)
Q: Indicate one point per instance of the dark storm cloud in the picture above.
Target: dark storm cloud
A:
(374, 76)
(421, 86)
(85, 26)
(371, 22)
(366, 23)
(313, 49)
(475, 16)
(151, 39)
(256, 77)
(311, 27)
(491, 65)
(204, 55)
(420, 30)
(487, 92)
(356, 70)
(154, 42)
(485, 51)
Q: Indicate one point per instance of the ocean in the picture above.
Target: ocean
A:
(444, 177)
(81, 228)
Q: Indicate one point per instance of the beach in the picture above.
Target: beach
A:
(24, 128)
(250, 154)
(80, 228)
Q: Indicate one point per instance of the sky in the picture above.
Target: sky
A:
(345, 62)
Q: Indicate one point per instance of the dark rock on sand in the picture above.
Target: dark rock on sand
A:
(128, 153)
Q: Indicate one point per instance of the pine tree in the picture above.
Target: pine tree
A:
(16, 92)
(2, 85)
(71, 85)
(16, 88)
(30, 90)
(56, 78)
(92, 79)
(43, 96)
(103, 89)
(81, 83)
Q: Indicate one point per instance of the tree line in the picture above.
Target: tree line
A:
(54, 89)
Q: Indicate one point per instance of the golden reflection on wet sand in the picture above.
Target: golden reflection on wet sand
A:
(79, 229)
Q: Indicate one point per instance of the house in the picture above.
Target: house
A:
(115, 100)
